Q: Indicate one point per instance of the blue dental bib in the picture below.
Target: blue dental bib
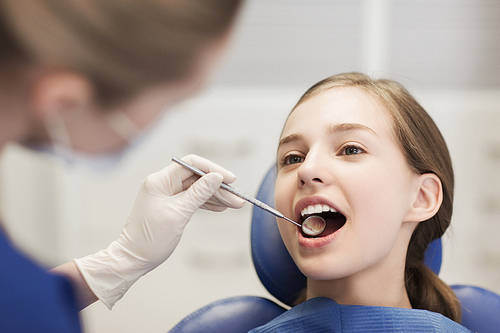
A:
(325, 315)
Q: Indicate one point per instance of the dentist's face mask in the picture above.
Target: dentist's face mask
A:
(61, 145)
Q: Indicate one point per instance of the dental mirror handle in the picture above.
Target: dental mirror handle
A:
(228, 188)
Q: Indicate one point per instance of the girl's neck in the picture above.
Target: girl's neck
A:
(361, 290)
(382, 284)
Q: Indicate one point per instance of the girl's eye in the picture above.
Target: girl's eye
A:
(292, 159)
(352, 150)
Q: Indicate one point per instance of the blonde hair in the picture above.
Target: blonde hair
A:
(426, 152)
(121, 45)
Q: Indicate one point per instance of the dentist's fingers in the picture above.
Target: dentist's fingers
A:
(225, 198)
(209, 166)
(214, 208)
(201, 190)
(170, 179)
(204, 165)
(221, 198)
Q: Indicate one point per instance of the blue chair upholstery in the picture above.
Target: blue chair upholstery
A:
(233, 314)
(480, 308)
(281, 277)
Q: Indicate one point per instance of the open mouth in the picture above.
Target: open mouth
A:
(334, 219)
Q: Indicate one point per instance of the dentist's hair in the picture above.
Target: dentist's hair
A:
(120, 45)
(426, 152)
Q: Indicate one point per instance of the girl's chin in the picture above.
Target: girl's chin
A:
(326, 267)
(318, 273)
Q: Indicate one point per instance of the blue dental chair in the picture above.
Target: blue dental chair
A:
(281, 277)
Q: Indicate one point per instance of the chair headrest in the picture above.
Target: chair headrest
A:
(480, 308)
(274, 266)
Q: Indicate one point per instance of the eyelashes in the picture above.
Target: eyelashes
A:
(347, 150)
(291, 159)
(353, 150)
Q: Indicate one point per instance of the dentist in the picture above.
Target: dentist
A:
(82, 79)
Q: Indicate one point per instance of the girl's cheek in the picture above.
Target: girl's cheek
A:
(283, 191)
(279, 197)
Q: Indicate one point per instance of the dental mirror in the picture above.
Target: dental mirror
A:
(313, 225)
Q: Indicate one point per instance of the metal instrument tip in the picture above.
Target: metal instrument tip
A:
(292, 221)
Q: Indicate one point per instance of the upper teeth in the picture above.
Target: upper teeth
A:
(316, 209)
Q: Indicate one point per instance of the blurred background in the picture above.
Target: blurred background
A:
(446, 52)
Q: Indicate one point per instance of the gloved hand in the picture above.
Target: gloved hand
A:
(164, 205)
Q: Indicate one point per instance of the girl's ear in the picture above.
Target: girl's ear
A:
(428, 199)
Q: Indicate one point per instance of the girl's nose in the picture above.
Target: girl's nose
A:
(313, 171)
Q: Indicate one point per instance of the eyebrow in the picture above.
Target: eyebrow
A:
(344, 127)
(290, 138)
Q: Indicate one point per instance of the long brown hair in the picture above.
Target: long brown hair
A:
(121, 45)
(426, 152)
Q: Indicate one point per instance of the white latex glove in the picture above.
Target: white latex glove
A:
(164, 205)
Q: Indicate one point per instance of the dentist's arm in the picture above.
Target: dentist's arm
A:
(84, 295)
(165, 203)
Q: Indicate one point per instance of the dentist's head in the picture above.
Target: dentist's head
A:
(90, 76)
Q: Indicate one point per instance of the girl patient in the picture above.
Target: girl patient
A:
(365, 156)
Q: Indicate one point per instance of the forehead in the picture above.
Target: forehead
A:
(340, 105)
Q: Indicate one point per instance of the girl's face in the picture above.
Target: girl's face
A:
(338, 152)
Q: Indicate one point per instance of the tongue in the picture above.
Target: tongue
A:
(333, 224)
